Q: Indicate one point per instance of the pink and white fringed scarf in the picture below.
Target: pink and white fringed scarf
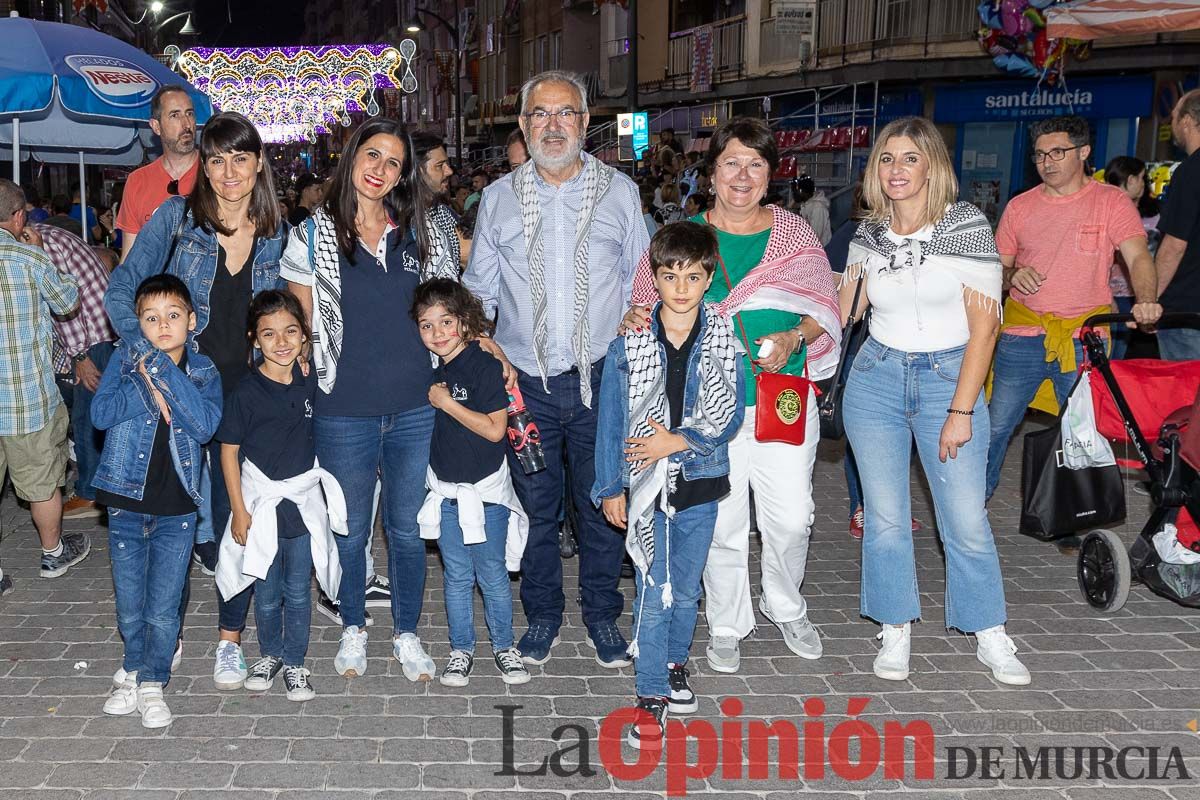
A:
(794, 275)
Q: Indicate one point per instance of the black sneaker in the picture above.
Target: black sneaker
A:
(262, 673)
(457, 672)
(332, 609)
(646, 735)
(6, 585)
(512, 669)
(205, 556)
(298, 687)
(75, 548)
(379, 593)
(683, 699)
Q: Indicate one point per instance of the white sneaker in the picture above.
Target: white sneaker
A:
(123, 699)
(799, 635)
(996, 651)
(351, 658)
(418, 666)
(892, 662)
(120, 675)
(229, 670)
(724, 653)
(152, 706)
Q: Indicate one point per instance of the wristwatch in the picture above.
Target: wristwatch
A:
(80, 357)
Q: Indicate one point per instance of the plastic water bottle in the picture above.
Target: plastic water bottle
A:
(523, 434)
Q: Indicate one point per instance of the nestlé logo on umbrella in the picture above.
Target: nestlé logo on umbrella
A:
(114, 80)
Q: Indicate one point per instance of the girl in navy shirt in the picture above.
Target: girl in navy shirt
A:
(471, 508)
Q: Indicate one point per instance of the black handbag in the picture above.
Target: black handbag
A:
(829, 404)
(1057, 501)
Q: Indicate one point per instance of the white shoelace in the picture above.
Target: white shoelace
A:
(354, 644)
(458, 663)
(297, 677)
(509, 659)
(891, 638)
(411, 650)
(381, 582)
(262, 667)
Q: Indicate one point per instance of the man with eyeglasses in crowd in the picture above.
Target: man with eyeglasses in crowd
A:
(556, 245)
(173, 120)
(1056, 243)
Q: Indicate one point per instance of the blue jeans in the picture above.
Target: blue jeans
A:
(1120, 333)
(88, 441)
(892, 399)
(395, 448)
(1179, 344)
(467, 565)
(664, 635)
(1019, 370)
(283, 602)
(565, 424)
(150, 557)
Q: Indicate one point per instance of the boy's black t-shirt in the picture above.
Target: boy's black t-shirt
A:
(700, 490)
(476, 380)
(272, 424)
(164, 494)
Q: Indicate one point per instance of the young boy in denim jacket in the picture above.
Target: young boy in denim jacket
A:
(159, 401)
(671, 398)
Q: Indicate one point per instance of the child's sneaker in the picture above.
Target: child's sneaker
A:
(152, 706)
(458, 669)
(649, 736)
(418, 666)
(683, 699)
(379, 593)
(75, 548)
(120, 675)
(123, 699)
(262, 673)
(333, 609)
(512, 669)
(6, 584)
(298, 687)
(351, 658)
(229, 671)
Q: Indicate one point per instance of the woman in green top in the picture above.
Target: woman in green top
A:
(775, 278)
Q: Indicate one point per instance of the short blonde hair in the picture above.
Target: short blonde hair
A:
(943, 185)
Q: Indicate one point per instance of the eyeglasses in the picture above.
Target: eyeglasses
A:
(733, 166)
(539, 119)
(1054, 154)
(173, 188)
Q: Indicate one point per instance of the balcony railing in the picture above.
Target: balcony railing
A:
(776, 49)
(849, 26)
(728, 55)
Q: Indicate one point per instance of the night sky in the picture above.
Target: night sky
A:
(255, 22)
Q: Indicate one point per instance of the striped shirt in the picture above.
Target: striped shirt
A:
(31, 289)
(498, 272)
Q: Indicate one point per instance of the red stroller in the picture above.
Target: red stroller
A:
(1139, 401)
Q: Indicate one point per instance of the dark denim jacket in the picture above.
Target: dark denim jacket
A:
(125, 408)
(706, 457)
(194, 262)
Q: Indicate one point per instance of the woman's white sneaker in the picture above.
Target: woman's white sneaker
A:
(123, 699)
(417, 664)
(351, 658)
(152, 706)
(996, 650)
(229, 671)
(892, 662)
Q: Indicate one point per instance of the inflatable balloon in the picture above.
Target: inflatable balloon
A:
(1012, 18)
(1017, 64)
(1041, 4)
(1035, 18)
(1041, 49)
(990, 14)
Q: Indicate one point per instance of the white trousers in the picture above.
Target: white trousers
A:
(781, 477)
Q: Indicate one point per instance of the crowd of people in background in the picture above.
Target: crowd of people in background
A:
(278, 362)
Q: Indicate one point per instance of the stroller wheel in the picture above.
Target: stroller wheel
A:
(1103, 571)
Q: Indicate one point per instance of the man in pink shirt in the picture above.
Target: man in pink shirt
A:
(173, 120)
(1056, 243)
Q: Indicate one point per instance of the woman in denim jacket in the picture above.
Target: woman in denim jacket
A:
(224, 242)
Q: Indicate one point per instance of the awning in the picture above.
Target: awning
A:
(1096, 19)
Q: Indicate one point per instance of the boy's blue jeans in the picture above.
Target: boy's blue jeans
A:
(893, 398)
(664, 635)
(395, 448)
(469, 564)
(283, 602)
(1019, 370)
(88, 441)
(150, 557)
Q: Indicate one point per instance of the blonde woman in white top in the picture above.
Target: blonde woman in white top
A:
(933, 280)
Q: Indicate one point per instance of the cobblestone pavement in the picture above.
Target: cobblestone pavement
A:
(1131, 679)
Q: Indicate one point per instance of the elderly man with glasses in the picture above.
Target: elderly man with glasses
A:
(1056, 242)
(556, 245)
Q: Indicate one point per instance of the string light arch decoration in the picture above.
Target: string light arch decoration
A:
(296, 93)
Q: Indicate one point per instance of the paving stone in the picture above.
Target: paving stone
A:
(208, 775)
(93, 775)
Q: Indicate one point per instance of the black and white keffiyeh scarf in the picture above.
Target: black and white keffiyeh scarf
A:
(327, 328)
(962, 240)
(716, 403)
(597, 177)
(445, 254)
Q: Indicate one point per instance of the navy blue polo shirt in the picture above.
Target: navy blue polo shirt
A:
(272, 424)
(476, 380)
(384, 367)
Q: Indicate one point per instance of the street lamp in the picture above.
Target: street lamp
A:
(186, 30)
(415, 26)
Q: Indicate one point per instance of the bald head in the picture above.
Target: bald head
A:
(1185, 122)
